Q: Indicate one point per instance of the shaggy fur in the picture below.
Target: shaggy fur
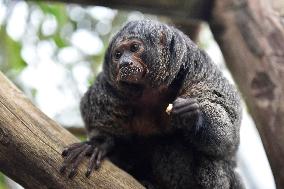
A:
(192, 149)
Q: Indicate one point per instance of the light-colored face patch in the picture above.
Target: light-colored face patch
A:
(130, 74)
(127, 58)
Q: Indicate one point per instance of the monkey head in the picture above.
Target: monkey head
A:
(145, 53)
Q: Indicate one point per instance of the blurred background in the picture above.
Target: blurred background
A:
(53, 53)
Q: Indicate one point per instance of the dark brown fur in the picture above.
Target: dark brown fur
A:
(147, 66)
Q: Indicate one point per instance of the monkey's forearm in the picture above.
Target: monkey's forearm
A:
(102, 110)
(218, 134)
(211, 129)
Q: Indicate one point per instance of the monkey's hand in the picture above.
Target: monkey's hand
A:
(186, 112)
(96, 148)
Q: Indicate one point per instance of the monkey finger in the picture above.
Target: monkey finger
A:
(77, 161)
(71, 147)
(92, 162)
(62, 169)
(100, 156)
(185, 109)
(190, 116)
(74, 153)
(91, 150)
(181, 102)
(71, 156)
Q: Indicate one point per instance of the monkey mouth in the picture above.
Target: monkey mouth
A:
(131, 74)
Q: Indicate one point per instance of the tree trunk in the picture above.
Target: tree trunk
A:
(31, 146)
(251, 36)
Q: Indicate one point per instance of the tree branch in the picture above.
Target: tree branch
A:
(182, 9)
(251, 36)
(31, 146)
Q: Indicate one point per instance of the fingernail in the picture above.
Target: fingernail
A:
(64, 153)
(88, 173)
(62, 169)
(72, 173)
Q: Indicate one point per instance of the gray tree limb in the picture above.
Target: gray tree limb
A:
(180, 9)
(31, 146)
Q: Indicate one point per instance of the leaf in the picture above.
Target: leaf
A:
(61, 16)
(57, 10)
(13, 53)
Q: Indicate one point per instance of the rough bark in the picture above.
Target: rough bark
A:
(251, 36)
(181, 9)
(31, 146)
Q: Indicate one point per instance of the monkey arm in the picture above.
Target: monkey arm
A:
(209, 126)
(100, 110)
(103, 110)
(219, 132)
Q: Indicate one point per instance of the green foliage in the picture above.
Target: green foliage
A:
(58, 10)
(2, 182)
(11, 54)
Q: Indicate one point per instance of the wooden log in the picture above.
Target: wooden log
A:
(31, 146)
(251, 36)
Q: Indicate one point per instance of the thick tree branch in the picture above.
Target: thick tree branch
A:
(181, 9)
(251, 36)
(31, 145)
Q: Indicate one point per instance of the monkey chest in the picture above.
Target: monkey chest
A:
(149, 113)
(148, 121)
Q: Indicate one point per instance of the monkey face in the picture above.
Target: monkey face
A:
(126, 57)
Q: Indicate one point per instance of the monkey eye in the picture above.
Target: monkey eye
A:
(134, 47)
(117, 55)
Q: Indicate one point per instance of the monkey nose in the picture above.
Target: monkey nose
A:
(125, 64)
